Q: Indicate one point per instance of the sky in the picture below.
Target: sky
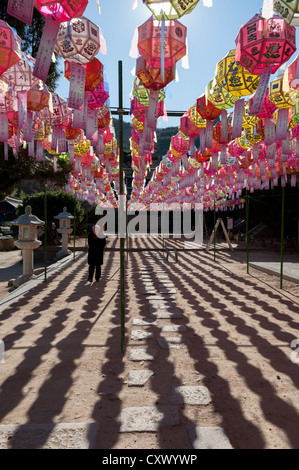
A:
(211, 33)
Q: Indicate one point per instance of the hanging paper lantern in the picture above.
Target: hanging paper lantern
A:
(267, 109)
(217, 132)
(219, 96)
(94, 73)
(62, 10)
(151, 76)
(142, 93)
(78, 39)
(38, 97)
(235, 78)
(149, 42)
(20, 75)
(288, 10)
(248, 119)
(71, 133)
(98, 97)
(188, 127)
(206, 109)
(82, 148)
(60, 115)
(170, 9)
(10, 52)
(262, 43)
(196, 118)
(103, 116)
(281, 95)
(179, 144)
(140, 111)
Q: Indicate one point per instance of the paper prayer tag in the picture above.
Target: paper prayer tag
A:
(46, 48)
(77, 85)
(21, 9)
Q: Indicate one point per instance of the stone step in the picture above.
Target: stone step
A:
(148, 418)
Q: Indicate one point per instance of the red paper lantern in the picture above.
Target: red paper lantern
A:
(62, 10)
(94, 73)
(262, 43)
(217, 131)
(10, 52)
(37, 97)
(206, 109)
(151, 77)
(188, 127)
(149, 42)
(103, 116)
(71, 133)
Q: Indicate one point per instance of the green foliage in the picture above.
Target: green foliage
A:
(22, 167)
(56, 201)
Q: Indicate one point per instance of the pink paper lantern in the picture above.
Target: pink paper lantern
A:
(267, 108)
(139, 111)
(262, 43)
(62, 10)
(98, 96)
(10, 52)
(149, 42)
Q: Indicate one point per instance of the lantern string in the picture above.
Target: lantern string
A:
(99, 8)
(134, 45)
(185, 59)
(162, 44)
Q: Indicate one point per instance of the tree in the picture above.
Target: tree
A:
(21, 167)
(30, 36)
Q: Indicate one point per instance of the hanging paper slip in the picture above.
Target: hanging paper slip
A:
(209, 135)
(92, 125)
(3, 126)
(238, 118)
(77, 85)
(54, 139)
(78, 119)
(61, 142)
(282, 124)
(260, 92)
(21, 9)
(46, 48)
(22, 108)
(270, 133)
(271, 151)
(152, 111)
(224, 134)
(27, 130)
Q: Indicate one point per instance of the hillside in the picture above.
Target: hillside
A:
(163, 139)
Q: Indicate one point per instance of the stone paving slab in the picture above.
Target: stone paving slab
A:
(209, 438)
(141, 354)
(148, 418)
(144, 322)
(138, 378)
(48, 436)
(168, 343)
(190, 395)
(290, 270)
(160, 297)
(167, 291)
(173, 328)
(165, 313)
(141, 334)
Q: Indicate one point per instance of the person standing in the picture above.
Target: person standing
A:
(96, 245)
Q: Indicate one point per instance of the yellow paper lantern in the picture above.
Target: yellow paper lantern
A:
(281, 94)
(235, 78)
(196, 118)
(219, 96)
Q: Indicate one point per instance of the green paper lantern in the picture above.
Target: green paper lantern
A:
(170, 9)
(288, 10)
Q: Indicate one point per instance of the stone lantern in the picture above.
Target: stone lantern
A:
(65, 230)
(27, 242)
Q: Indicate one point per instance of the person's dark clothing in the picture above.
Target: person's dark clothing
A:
(95, 255)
